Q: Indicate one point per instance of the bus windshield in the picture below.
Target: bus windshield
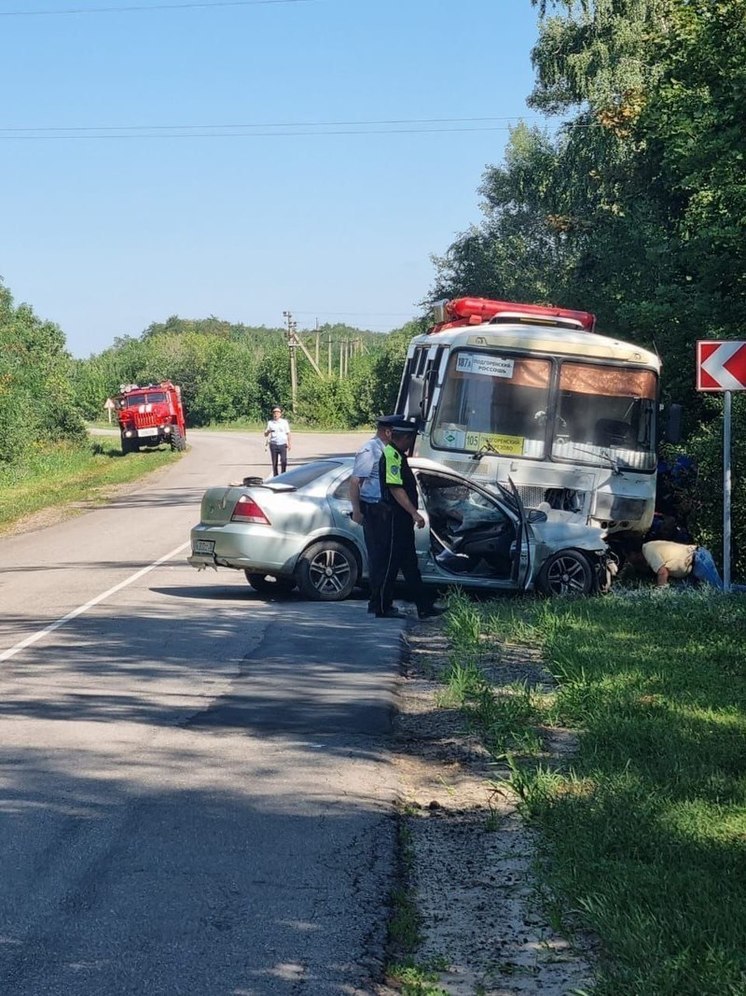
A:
(594, 414)
(605, 412)
(494, 402)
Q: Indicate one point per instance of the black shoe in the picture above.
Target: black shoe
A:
(430, 612)
(392, 613)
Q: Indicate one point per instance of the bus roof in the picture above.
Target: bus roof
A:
(476, 310)
(540, 339)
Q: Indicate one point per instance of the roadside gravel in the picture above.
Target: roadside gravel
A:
(470, 855)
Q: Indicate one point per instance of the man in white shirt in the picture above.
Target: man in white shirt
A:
(278, 433)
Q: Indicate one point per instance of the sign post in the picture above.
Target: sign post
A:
(721, 367)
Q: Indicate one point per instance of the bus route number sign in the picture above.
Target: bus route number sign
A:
(507, 445)
(488, 366)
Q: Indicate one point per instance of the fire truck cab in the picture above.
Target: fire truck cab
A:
(150, 415)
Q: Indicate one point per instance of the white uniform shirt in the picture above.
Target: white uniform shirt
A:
(279, 430)
(366, 467)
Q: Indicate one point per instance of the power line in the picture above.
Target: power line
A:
(255, 134)
(358, 314)
(263, 124)
(141, 7)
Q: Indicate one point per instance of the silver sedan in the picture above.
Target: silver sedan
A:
(295, 530)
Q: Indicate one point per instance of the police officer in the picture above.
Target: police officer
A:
(369, 509)
(399, 492)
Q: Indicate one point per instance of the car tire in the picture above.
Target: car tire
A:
(269, 584)
(327, 572)
(566, 573)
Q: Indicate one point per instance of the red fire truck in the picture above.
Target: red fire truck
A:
(150, 415)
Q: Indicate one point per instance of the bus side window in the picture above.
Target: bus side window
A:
(430, 381)
(413, 401)
(422, 380)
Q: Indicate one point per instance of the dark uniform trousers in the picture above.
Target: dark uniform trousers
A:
(389, 540)
(403, 558)
(378, 538)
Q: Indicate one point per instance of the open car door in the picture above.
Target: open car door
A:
(524, 552)
(473, 535)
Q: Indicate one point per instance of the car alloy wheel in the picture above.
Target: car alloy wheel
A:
(327, 572)
(566, 573)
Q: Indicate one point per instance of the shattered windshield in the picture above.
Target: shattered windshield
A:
(606, 416)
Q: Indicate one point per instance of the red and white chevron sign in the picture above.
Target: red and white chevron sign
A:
(721, 365)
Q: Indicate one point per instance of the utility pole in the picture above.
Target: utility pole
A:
(295, 342)
(292, 341)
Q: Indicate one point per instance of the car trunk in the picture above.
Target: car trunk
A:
(218, 505)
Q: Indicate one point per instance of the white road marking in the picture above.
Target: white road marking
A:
(7, 654)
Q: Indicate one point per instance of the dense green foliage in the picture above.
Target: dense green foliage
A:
(234, 372)
(635, 206)
(37, 405)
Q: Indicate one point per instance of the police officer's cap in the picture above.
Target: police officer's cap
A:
(397, 423)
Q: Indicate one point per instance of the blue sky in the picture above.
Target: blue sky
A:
(256, 174)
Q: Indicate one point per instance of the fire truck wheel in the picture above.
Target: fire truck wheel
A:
(128, 445)
(177, 440)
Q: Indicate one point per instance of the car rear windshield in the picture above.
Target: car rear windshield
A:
(299, 477)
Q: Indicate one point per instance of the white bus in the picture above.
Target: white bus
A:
(512, 392)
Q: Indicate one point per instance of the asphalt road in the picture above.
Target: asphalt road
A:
(195, 791)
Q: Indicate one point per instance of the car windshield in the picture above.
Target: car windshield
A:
(306, 474)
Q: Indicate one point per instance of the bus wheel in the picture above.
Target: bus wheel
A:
(566, 573)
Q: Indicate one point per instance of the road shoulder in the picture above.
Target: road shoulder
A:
(470, 855)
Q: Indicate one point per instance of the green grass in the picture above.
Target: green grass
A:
(59, 475)
(417, 980)
(643, 831)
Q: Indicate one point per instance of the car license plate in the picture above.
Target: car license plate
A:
(150, 431)
(203, 546)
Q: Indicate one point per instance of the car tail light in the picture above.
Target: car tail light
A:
(247, 510)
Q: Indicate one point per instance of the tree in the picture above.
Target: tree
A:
(37, 405)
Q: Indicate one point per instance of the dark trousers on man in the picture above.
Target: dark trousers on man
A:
(403, 557)
(279, 454)
(377, 531)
